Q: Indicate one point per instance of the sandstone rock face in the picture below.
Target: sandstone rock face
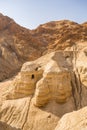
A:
(46, 89)
(4, 126)
(37, 95)
(51, 79)
(76, 120)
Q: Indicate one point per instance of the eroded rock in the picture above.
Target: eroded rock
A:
(76, 120)
(46, 89)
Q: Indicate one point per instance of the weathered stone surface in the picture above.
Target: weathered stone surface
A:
(76, 120)
(4, 126)
(47, 88)
(52, 80)
(38, 90)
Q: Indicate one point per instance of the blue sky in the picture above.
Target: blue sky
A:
(31, 13)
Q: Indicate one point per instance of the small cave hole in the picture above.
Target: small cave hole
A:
(85, 51)
(32, 76)
(49, 116)
(36, 68)
(67, 57)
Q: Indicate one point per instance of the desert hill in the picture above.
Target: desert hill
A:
(18, 44)
(61, 34)
(51, 62)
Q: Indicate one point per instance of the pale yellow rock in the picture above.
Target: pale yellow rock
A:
(14, 112)
(47, 80)
(45, 83)
(45, 89)
(4, 126)
(76, 120)
(53, 86)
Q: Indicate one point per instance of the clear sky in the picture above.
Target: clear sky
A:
(31, 13)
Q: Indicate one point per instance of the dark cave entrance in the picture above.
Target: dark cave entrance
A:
(32, 76)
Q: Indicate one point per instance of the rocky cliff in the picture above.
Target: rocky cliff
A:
(18, 44)
(48, 87)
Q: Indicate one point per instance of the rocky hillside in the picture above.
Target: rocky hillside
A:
(51, 83)
(61, 34)
(45, 90)
(18, 44)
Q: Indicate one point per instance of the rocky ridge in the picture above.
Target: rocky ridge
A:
(18, 44)
(58, 35)
(46, 88)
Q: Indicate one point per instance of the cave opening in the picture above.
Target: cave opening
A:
(32, 76)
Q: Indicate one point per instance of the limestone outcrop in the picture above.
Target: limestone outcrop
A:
(76, 120)
(45, 89)
(49, 80)
(48, 87)
(38, 90)
(4, 126)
